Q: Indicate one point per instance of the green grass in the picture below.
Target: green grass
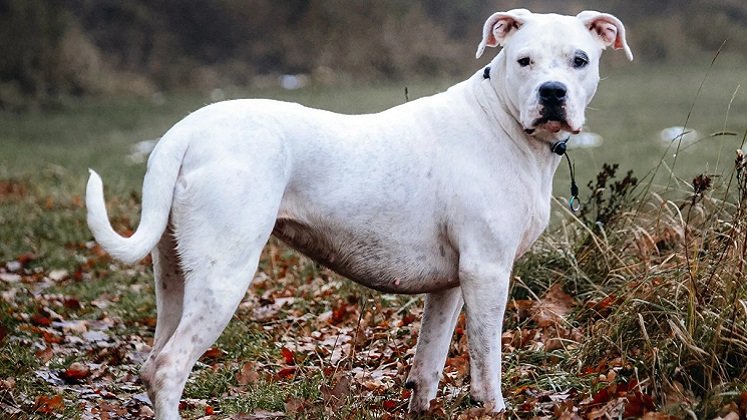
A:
(45, 156)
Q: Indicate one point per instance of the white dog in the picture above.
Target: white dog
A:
(437, 196)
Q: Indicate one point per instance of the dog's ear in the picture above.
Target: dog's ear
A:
(607, 29)
(499, 27)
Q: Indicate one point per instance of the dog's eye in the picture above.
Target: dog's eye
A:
(524, 61)
(580, 61)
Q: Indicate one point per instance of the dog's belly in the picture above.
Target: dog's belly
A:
(373, 261)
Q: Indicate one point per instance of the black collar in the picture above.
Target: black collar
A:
(559, 147)
(486, 73)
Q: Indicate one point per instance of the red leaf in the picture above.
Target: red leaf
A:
(606, 302)
(212, 354)
(209, 411)
(286, 373)
(338, 314)
(71, 303)
(41, 320)
(51, 338)
(287, 356)
(26, 258)
(389, 405)
(407, 319)
(601, 397)
(48, 405)
(76, 372)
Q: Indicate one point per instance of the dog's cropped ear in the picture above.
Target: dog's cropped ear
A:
(607, 29)
(499, 27)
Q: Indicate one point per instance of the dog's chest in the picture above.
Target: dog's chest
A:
(536, 220)
(373, 259)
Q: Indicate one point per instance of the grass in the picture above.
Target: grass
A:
(659, 292)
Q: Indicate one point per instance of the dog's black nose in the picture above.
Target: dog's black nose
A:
(552, 92)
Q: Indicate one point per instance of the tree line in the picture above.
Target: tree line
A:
(79, 47)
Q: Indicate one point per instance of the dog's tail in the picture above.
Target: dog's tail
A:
(158, 191)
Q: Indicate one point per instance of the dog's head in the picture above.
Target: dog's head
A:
(549, 65)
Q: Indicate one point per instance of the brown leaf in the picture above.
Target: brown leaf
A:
(248, 374)
(335, 395)
(71, 303)
(9, 383)
(259, 415)
(45, 355)
(26, 258)
(48, 405)
(51, 338)
(552, 308)
(658, 416)
(294, 405)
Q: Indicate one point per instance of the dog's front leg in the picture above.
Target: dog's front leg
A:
(439, 317)
(485, 290)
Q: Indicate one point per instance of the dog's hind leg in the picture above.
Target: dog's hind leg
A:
(439, 318)
(169, 285)
(219, 242)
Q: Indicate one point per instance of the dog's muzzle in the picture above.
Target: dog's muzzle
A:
(552, 99)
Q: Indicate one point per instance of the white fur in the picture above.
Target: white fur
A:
(439, 196)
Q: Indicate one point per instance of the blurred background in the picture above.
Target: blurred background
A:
(52, 48)
(93, 83)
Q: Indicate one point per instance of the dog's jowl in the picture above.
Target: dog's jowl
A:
(416, 199)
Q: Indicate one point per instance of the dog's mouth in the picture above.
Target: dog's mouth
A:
(552, 119)
(551, 125)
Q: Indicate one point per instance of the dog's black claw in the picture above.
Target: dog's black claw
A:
(411, 385)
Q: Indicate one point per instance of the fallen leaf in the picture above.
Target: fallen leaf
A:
(76, 372)
(48, 405)
(212, 354)
(259, 415)
(658, 416)
(287, 372)
(45, 355)
(294, 405)
(335, 395)
(553, 307)
(389, 405)
(58, 275)
(9, 383)
(10, 277)
(287, 356)
(26, 258)
(40, 320)
(248, 374)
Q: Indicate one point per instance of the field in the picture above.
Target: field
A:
(634, 307)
